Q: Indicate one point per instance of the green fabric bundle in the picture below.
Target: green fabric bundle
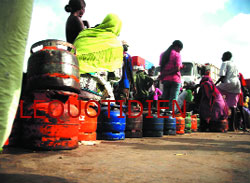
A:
(98, 49)
(15, 22)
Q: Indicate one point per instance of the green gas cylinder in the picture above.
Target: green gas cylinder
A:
(188, 121)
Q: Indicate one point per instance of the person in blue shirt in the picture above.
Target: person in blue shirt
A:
(127, 81)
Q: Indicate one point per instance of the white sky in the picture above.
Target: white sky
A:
(150, 27)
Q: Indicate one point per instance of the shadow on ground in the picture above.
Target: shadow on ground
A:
(30, 178)
(191, 143)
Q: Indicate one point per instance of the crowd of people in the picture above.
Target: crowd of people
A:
(100, 52)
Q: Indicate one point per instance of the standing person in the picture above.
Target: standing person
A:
(74, 24)
(230, 85)
(127, 79)
(157, 93)
(243, 94)
(143, 83)
(170, 64)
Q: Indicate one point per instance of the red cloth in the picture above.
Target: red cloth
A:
(241, 99)
(243, 84)
(242, 80)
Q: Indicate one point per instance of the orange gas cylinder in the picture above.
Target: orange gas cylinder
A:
(194, 123)
(180, 125)
(87, 136)
(50, 124)
(88, 123)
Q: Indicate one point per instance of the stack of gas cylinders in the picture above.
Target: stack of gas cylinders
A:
(50, 110)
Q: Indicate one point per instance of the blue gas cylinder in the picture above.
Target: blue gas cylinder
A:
(110, 124)
(169, 126)
(111, 136)
(152, 127)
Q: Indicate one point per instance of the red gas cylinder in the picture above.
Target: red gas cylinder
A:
(50, 122)
(52, 66)
(88, 123)
(194, 123)
(180, 125)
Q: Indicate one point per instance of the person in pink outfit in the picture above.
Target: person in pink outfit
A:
(170, 64)
(156, 93)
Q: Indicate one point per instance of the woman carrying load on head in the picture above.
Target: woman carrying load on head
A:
(170, 64)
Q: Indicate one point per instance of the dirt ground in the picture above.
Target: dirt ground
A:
(196, 157)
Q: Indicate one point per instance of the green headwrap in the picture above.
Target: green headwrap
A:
(98, 49)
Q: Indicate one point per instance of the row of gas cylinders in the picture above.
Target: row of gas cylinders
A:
(49, 116)
(55, 119)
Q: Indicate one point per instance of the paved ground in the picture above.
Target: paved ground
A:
(196, 157)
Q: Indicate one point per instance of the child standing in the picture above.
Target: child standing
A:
(157, 93)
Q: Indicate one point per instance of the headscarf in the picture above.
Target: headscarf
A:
(98, 49)
(209, 87)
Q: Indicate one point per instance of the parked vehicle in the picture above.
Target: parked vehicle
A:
(191, 72)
